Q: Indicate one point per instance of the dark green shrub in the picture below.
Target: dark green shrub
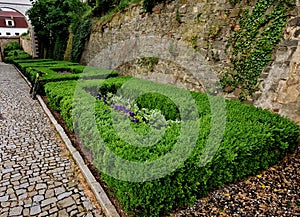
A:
(60, 47)
(60, 97)
(160, 102)
(112, 85)
(13, 51)
(11, 46)
(16, 54)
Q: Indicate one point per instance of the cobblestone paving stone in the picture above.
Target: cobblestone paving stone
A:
(37, 177)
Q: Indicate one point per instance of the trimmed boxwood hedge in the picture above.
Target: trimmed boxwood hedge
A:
(253, 140)
(30, 67)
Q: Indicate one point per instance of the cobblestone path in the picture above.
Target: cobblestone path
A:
(37, 177)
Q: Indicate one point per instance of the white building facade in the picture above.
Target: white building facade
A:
(12, 24)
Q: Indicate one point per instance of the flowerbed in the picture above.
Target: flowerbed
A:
(51, 69)
(253, 140)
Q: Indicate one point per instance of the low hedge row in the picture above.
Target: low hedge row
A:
(13, 51)
(253, 140)
(60, 98)
(59, 71)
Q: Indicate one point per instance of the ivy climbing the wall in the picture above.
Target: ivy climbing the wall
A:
(253, 41)
(81, 34)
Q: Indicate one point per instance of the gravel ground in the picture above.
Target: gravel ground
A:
(274, 192)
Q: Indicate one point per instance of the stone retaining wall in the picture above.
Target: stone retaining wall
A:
(280, 82)
(205, 27)
(26, 44)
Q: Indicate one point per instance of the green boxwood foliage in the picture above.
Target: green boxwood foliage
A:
(16, 54)
(60, 98)
(11, 46)
(160, 102)
(13, 51)
(52, 68)
(253, 140)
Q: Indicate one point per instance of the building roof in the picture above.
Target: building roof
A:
(19, 19)
(10, 13)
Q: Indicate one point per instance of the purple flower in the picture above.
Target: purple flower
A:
(131, 114)
(106, 110)
(135, 120)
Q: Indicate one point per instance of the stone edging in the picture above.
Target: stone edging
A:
(102, 198)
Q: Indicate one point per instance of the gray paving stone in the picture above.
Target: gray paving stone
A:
(49, 201)
(59, 190)
(15, 175)
(49, 193)
(87, 205)
(35, 210)
(45, 213)
(23, 196)
(4, 198)
(26, 212)
(8, 170)
(64, 195)
(38, 198)
(66, 202)
(5, 204)
(16, 211)
(40, 186)
(4, 214)
(21, 191)
(24, 185)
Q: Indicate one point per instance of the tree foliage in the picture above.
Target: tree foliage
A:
(51, 20)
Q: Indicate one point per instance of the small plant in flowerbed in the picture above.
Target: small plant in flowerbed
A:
(129, 109)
